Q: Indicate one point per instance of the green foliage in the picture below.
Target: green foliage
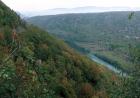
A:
(131, 15)
(27, 53)
(7, 80)
(129, 86)
(77, 47)
(8, 17)
(133, 83)
(42, 66)
(135, 54)
(108, 34)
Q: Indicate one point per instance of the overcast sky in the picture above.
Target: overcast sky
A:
(36, 5)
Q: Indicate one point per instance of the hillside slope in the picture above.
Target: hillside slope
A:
(34, 64)
(109, 35)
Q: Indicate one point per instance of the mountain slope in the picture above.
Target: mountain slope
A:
(34, 64)
(108, 35)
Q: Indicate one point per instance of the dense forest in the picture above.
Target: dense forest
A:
(34, 64)
(109, 35)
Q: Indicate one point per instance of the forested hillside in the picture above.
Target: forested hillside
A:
(34, 64)
(109, 35)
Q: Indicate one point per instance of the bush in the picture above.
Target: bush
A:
(27, 53)
(86, 90)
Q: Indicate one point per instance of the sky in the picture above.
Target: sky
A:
(37, 5)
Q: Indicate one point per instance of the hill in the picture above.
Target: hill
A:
(34, 64)
(86, 9)
(109, 35)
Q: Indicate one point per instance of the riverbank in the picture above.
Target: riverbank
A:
(107, 64)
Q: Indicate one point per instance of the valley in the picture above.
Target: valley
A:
(81, 55)
(106, 64)
(110, 35)
(35, 64)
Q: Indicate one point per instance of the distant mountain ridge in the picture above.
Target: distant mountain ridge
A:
(88, 9)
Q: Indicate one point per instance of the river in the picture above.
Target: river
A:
(106, 64)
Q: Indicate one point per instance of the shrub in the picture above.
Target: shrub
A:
(86, 90)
